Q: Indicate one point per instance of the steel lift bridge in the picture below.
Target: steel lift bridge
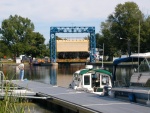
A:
(52, 41)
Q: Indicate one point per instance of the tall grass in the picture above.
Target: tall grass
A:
(11, 103)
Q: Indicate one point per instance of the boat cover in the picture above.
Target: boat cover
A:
(95, 70)
(127, 59)
(117, 61)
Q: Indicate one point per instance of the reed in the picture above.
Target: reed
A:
(11, 103)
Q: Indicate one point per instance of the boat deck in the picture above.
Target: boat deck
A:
(82, 101)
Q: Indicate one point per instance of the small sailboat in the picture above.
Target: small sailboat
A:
(92, 80)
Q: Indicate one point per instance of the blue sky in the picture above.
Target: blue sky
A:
(47, 13)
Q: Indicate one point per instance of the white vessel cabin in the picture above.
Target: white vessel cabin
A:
(92, 80)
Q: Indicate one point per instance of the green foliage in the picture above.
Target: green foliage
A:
(122, 28)
(36, 46)
(4, 50)
(11, 103)
(18, 37)
(15, 33)
(145, 35)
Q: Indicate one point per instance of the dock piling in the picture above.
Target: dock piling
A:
(1, 80)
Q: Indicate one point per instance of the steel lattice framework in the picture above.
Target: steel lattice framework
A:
(52, 41)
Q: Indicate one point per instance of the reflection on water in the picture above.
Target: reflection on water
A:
(60, 75)
(35, 108)
(53, 75)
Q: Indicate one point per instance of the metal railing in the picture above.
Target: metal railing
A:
(2, 80)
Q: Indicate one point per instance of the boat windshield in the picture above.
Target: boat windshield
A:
(144, 66)
(75, 75)
(148, 59)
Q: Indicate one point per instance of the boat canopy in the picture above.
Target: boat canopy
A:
(132, 58)
(127, 59)
(142, 60)
(95, 70)
(117, 61)
(84, 71)
(103, 71)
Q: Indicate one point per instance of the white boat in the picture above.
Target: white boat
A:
(92, 80)
(138, 88)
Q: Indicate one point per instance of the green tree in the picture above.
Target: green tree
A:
(19, 36)
(121, 28)
(106, 38)
(145, 35)
(4, 50)
(37, 47)
(15, 33)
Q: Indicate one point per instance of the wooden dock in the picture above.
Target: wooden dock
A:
(79, 101)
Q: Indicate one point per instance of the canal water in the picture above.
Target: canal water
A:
(60, 75)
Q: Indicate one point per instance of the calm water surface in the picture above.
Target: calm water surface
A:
(60, 75)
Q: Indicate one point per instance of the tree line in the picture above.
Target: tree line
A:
(125, 30)
(121, 32)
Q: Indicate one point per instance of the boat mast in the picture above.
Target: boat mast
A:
(138, 45)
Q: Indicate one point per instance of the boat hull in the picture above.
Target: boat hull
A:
(131, 94)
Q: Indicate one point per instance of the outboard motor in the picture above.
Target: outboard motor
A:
(106, 90)
(73, 85)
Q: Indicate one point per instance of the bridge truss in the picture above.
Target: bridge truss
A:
(52, 41)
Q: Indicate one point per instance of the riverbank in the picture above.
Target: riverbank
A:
(104, 64)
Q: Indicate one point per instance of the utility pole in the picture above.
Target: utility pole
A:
(103, 56)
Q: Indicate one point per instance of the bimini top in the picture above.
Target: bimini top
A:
(119, 60)
(141, 55)
(132, 58)
(83, 71)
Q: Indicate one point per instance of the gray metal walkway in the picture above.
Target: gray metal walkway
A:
(82, 100)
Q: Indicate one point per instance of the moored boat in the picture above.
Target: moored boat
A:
(92, 80)
(36, 64)
(137, 89)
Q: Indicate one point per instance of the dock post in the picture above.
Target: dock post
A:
(1, 80)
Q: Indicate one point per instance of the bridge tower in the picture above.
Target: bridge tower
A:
(52, 41)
